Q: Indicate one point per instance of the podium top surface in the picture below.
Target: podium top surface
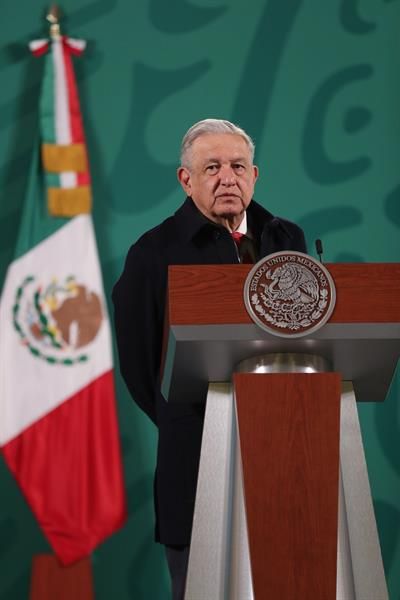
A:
(210, 331)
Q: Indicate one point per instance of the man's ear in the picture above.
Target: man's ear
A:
(255, 172)
(184, 179)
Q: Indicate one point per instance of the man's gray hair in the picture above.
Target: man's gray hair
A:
(211, 126)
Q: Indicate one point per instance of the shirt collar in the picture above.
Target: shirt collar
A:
(243, 225)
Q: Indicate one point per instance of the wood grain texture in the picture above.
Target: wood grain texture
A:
(51, 581)
(213, 294)
(289, 438)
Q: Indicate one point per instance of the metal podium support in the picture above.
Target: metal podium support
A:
(219, 562)
(360, 572)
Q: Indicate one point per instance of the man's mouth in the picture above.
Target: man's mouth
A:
(227, 195)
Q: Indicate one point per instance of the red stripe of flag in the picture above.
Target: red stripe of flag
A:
(77, 132)
(68, 467)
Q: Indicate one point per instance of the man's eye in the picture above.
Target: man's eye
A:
(212, 169)
(238, 167)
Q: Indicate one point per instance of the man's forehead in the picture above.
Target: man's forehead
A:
(217, 146)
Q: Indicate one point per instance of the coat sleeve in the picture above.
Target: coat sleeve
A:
(138, 315)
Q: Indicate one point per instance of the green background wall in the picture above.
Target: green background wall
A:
(316, 83)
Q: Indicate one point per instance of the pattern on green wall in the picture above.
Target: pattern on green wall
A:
(317, 85)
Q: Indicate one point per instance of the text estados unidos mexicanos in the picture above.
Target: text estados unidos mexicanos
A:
(284, 259)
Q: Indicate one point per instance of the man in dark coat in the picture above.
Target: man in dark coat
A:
(218, 175)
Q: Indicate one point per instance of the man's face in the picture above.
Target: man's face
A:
(221, 177)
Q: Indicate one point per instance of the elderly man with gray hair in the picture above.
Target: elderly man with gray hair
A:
(218, 223)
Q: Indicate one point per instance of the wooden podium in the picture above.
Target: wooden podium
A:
(283, 506)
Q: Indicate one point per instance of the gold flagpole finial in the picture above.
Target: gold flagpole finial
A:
(53, 17)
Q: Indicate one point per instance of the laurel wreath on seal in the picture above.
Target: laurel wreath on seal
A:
(284, 315)
(44, 328)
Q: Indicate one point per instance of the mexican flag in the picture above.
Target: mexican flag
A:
(58, 427)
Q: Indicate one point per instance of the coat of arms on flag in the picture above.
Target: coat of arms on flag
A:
(55, 321)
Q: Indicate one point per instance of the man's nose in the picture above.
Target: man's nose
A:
(228, 177)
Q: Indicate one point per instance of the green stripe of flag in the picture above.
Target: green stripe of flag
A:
(47, 101)
(36, 223)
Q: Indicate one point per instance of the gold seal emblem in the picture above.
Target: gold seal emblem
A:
(289, 294)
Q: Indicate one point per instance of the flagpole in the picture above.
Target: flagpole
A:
(53, 17)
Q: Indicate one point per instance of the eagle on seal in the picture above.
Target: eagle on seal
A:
(292, 283)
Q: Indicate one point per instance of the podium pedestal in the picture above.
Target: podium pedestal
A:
(343, 560)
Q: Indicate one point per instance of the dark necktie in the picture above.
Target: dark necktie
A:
(243, 245)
